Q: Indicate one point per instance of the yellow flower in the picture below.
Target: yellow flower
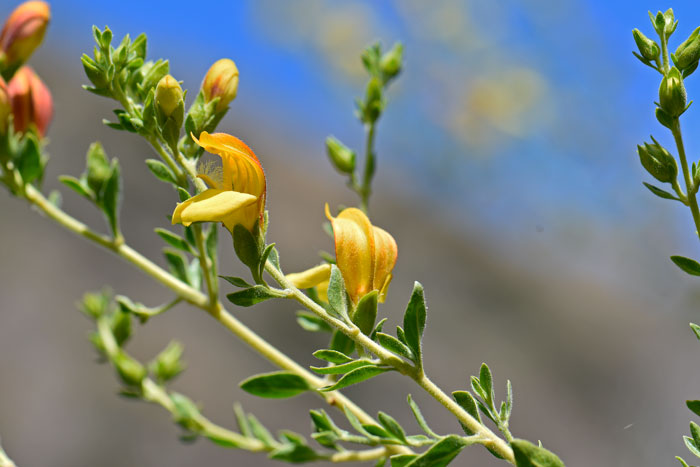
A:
(365, 255)
(236, 193)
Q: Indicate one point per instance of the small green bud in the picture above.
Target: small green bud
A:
(658, 161)
(168, 95)
(342, 157)
(186, 413)
(647, 47)
(391, 62)
(373, 104)
(688, 53)
(95, 304)
(131, 372)
(121, 326)
(98, 167)
(664, 23)
(167, 364)
(672, 95)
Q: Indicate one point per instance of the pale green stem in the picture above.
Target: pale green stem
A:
(4, 460)
(198, 299)
(489, 438)
(204, 263)
(687, 176)
(664, 53)
(358, 456)
(366, 188)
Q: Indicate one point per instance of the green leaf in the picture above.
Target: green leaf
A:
(276, 385)
(332, 356)
(696, 330)
(263, 258)
(529, 455)
(507, 407)
(111, 197)
(260, 432)
(274, 258)
(366, 312)
(341, 342)
(694, 406)
(322, 421)
(174, 240)
(183, 194)
(356, 376)
(211, 244)
(29, 164)
(402, 460)
(177, 265)
(394, 345)
(695, 432)
(689, 266)
(692, 447)
(161, 171)
(468, 403)
(392, 426)
(242, 420)
(420, 419)
(377, 431)
(486, 383)
(414, 321)
(683, 463)
(236, 281)
(222, 441)
(253, 295)
(378, 328)
(294, 453)
(337, 298)
(355, 423)
(342, 368)
(441, 453)
(659, 192)
(79, 186)
(310, 322)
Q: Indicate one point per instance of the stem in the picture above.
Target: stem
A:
(689, 183)
(358, 456)
(181, 177)
(664, 52)
(366, 188)
(198, 299)
(489, 438)
(212, 285)
(4, 460)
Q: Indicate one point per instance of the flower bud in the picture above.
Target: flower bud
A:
(168, 95)
(5, 106)
(131, 372)
(647, 47)
(167, 364)
(664, 23)
(688, 53)
(658, 161)
(23, 32)
(390, 63)
(32, 104)
(372, 107)
(672, 95)
(221, 81)
(342, 157)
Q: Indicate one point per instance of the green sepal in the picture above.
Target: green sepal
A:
(529, 455)
(276, 385)
(365, 313)
(253, 295)
(29, 163)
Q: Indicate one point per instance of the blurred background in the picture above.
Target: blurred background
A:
(507, 174)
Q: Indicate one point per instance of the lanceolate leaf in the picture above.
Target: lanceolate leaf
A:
(366, 312)
(694, 406)
(440, 454)
(111, 197)
(659, 192)
(332, 356)
(161, 171)
(337, 298)
(394, 345)
(356, 376)
(174, 240)
(414, 320)
(341, 369)
(253, 295)
(276, 385)
(392, 426)
(690, 266)
(529, 455)
(420, 419)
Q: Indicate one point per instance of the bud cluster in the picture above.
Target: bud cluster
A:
(658, 161)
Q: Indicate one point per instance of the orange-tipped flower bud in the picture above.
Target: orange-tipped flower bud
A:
(31, 101)
(5, 106)
(23, 32)
(221, 81)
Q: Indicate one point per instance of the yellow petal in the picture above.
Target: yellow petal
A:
(311, 277)
(211, 206)
(385, 254)
(354, 250)
(242, 172)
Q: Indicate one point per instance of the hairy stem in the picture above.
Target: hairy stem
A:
(365, 190)
(198, 299)
(690, 185)
(489, 438)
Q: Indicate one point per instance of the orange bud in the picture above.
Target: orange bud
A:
(31, 101)
(23, 32)
(221, 81)
(5, 106)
